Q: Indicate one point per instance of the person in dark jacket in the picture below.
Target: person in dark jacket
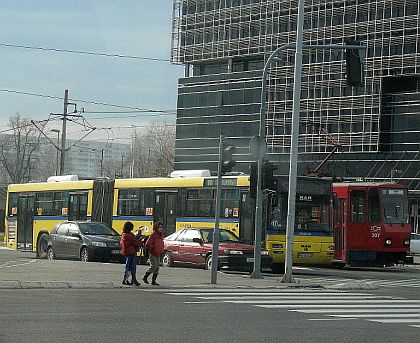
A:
(155, 246)
(129, 247)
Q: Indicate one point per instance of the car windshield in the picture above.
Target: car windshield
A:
(224, 236)
(97, 229)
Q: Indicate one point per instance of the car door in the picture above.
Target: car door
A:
(58, 240)
(193, 250)
(415, 243)
(74, 241)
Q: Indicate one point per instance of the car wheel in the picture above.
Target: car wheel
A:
(50, 253)
(84, 255)
(207, 266)
(167, 260)
(42, 245)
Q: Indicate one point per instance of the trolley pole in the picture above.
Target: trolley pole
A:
(63, 132)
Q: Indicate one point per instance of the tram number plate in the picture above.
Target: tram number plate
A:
(304, 254)
(115, 251)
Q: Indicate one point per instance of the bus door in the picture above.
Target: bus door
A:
(25, 220)
(165, 210)
(78, 205)
(246, 219)
(340, 229)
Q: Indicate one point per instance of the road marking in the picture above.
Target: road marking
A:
(395, 321)
(362, 310)
(336, 306)
(218, 293)
(328, 301)
(281, 297)
(379, 315)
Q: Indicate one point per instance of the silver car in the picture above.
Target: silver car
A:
(415, 243)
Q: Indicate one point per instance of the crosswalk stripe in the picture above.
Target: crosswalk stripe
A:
(335, 306)
(209, 292)
(362, 310)
(281, 297)
(378, 315)
(395, 321)
(328, 301)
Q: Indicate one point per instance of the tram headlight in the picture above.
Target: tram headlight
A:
(407, 242)
(388, 242)
(277, 246)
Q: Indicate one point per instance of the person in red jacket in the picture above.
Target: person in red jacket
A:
(155, 246)
(129, 247)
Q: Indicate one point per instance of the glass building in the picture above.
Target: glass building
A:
(373, 129)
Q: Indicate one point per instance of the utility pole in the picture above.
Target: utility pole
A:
(63, 132)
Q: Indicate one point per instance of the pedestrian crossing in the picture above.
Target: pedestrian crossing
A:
(323, 305)
(415, 283)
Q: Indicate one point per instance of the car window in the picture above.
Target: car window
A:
(190, 234)
(173, 236)
(92, 228)
(415, 236)
(62, 229)
(181, 236)
(73, 229)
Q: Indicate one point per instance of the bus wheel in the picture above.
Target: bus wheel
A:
(42, 245)
(167, 260)
(277, 268)
(84, 255)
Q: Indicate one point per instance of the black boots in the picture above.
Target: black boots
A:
(134, 280)
(125, 281)
(145, 277)
(154, 280)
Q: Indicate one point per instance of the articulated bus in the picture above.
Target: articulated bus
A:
(371, 223)
(34, 208)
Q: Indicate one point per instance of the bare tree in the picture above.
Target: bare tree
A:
(18, 149)
(154, 151)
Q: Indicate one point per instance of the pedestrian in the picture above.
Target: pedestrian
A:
(155, 246)
(129, 247)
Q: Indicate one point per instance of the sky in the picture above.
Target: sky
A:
(33, 77)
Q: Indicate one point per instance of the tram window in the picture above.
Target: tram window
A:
(199, 203)
(374, 211)
(13, 204)
(357, 206)
(134, 201)
(337, 209)
(44, 204)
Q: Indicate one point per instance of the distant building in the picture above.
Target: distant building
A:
(224, 44)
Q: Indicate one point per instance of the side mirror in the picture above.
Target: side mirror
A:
(197, 240)
(76, 235)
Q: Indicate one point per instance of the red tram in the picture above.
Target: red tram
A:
(371, 223)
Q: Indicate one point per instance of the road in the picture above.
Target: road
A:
(206, 314)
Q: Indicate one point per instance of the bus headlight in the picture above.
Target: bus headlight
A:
(331, 247)
(388, 242)
(277, 246)
(233, 252)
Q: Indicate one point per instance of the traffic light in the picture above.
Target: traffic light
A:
(267, 175)
(227, 159)
(354, 67)
(253, 180)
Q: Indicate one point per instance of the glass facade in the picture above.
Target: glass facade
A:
(224, 45)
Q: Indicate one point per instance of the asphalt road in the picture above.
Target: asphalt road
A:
(132, 315)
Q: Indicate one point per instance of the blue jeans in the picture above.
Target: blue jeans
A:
(130, 265)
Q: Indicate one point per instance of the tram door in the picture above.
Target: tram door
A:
(340, 242)
(25, 221)
(165, 210)
(78, 205)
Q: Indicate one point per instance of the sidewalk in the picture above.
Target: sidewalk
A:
(30, 272)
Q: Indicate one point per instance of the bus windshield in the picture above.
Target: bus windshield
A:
(395, 206)
(312, 214)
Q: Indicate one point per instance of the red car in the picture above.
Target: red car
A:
(194, 246)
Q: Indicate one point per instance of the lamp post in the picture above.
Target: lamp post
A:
(57, 148)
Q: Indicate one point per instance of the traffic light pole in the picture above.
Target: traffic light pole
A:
(299, 46)
(215, 247)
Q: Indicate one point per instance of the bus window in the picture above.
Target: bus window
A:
(13, 204)
(44, 204)
(229, 206)
(357, 206)
(133, 202)
(374, 209)
(199, 203)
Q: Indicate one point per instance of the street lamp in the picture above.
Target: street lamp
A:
(57, 148)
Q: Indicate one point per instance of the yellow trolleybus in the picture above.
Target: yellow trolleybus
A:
(34, 208)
